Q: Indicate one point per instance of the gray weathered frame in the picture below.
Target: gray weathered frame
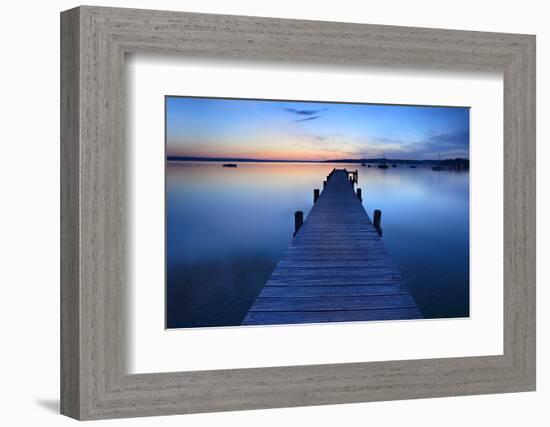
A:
(94, 41)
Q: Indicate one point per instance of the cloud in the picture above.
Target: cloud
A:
(448, 144)
(306, 119)
(305, 115)
(456, 139)
(305, 112)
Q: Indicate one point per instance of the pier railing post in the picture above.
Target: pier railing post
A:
(376, 221)
(315, 195)
(359, 195)
(324, 184)
(298, 221)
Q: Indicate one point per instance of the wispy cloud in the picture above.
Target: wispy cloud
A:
(454, 139)
(305, 115)
(447, 144)
(305, 112)
(307, 119)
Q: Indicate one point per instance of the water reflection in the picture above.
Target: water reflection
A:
(228, 227)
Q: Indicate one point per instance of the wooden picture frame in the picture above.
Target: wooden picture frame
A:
(94, 382)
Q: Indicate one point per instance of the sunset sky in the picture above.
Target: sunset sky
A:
(286, 130)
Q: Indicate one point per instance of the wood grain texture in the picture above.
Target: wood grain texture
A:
(94, 381)
(70, 220)
(336, 245)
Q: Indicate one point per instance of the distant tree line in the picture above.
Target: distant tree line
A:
(456, 164)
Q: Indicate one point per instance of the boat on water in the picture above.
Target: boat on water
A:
(362, 164)
(412, 166)
(383, 165)
(229, 165)
(438, 167)
(393, 166)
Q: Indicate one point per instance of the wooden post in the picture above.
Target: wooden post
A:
(377, 218)
(356, 176)
(315, 195)
(324, 184)
(298, 221)
(359, 195)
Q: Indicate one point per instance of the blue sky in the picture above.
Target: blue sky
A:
(288, 130)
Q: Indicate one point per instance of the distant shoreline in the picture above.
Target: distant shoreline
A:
(455, 161)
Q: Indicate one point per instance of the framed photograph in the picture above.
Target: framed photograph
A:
(263, 213)
(228, 203)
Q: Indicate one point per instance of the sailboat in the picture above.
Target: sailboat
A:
(438, 167)
(383, 165)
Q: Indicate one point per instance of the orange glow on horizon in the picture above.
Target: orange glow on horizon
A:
(271, 154)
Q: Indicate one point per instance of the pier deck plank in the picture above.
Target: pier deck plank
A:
(336, 269)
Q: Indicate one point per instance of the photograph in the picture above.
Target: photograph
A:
(286, 212)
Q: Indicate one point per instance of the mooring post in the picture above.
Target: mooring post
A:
(324, 184)
(298, 221)
(377, 218)
(356, 176)
(359, 195)
(315, 195)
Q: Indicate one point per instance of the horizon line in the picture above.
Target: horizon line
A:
(248, 159)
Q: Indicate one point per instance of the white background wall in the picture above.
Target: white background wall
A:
(29, 212)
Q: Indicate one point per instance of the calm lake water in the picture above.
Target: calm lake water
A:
(226, 229)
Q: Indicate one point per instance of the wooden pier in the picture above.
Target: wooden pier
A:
(336, 269)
